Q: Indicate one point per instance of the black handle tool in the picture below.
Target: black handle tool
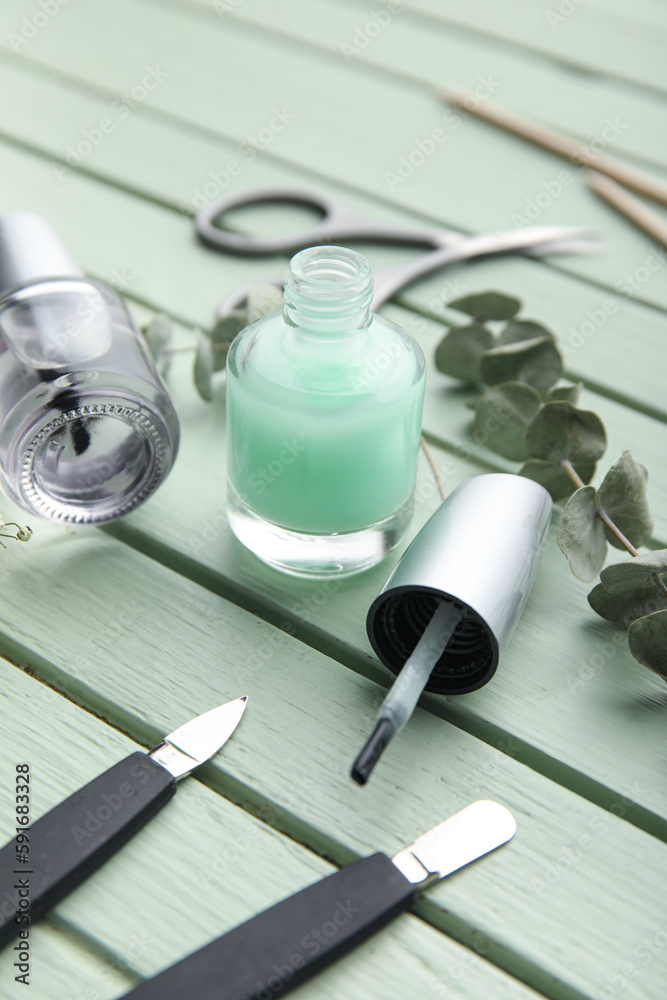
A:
(72, 840)
(286, 944)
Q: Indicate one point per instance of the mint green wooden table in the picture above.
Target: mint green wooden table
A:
(111, 638)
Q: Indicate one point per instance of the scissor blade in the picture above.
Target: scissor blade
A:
(193, 743)
(470, 833)
(563, 247)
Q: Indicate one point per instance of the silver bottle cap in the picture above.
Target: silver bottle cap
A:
(31, 251)
(480, 550)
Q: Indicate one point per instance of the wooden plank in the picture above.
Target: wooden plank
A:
(63, 968)
(594, 681)
(580, 36)
(155, 233)
(454, 184)
(187, 527)
(553, 866)
(307, 715)
(420, 50)
(152, 263)
(190, 864)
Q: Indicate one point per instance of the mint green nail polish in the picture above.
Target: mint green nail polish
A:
(324, 406)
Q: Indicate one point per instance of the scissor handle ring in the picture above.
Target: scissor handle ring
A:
(255, 246)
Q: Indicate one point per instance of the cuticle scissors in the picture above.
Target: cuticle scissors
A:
(338, 225)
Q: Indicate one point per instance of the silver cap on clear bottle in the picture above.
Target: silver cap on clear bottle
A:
(480, 550)
(31, 251)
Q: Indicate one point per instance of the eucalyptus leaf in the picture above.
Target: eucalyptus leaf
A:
(648, 641)
(503, 414)
(581, 534)
(487, 305)
(157, 334)
(568, 393)
(537, 362)
(624, 606)
(263, 300)
(560, 432)
(203, 367)
(622, 496)
(523, 329)
(553, 476)
(458, 353)
(637, 572)
(223, 334)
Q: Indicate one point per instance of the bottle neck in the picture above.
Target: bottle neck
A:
(328, 292)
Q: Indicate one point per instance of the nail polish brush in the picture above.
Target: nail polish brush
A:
(451, 603)
(406, 690)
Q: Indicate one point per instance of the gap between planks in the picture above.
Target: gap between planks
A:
(606, 392)
(482, 729)
(297, 830)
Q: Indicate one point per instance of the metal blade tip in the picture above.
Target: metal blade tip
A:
(200, 738)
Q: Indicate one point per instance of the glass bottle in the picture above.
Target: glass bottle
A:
(324, 405)
(87, 430)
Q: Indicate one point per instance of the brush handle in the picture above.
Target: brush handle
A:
(77, 836)
(285, 945)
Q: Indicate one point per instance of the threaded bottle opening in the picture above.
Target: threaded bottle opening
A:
(328, 290)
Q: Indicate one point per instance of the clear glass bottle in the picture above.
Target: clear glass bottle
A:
(87, 430)
(324, 405)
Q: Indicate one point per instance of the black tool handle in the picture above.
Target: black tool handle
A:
(283, 946)
(76, 837)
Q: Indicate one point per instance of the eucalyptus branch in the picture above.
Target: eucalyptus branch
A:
(660, 583)
(602, 514)
(607, 521)
(572, 473)
(525, 414)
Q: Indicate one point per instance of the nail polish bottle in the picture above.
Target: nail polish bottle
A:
(87, 429)
(324, 404)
